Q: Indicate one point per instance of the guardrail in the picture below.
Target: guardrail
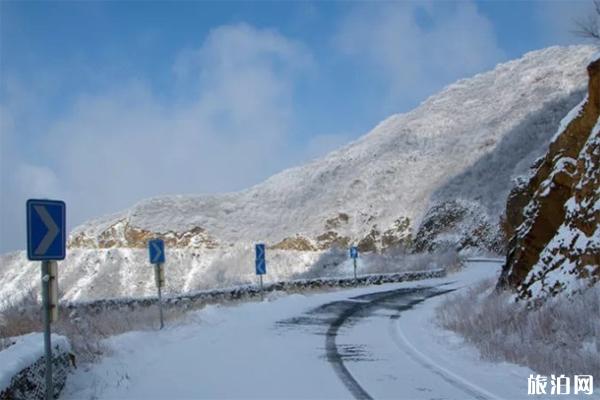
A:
(486, 259)
(250, 291)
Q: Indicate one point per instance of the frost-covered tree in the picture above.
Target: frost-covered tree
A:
(589, 27)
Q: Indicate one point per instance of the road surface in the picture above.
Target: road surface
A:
(362, 335)
(376, 342)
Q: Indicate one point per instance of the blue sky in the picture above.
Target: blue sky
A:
(105, 103)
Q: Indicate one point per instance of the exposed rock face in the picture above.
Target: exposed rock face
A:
(399, 234)
(122, 234)
(336, 222)
(554, 215)
(333, 237)
(297, 243)
(460, 225)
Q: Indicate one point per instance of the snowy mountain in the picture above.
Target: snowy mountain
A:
(466, 142)
(462, 146)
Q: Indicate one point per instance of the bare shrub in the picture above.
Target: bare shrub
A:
(560, 336)
(397, 260)
(329, 264)
(85, 328)
(21, 316)
(589, 27)
(335, 262)
(230, 269)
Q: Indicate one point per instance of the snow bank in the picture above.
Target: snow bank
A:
(24, 352)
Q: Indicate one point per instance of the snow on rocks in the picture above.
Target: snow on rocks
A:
(555, 217)
(574, 113)
(22, 365)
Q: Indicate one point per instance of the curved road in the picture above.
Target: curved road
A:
(331, 345)
(361, 331)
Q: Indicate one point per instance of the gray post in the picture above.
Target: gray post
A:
(261, 288)
(354, 268)
(46, 317)
(160, 309)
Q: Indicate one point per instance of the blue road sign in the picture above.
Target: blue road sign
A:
(261, 264)
(353, 252)
(46, 230)
(156, 250)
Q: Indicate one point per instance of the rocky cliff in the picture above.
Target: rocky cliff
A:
(553, 215)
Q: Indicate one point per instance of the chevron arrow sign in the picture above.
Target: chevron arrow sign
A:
(46, 229)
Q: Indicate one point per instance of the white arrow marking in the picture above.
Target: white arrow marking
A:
(260, 258)
(52, 230)
(157, 253)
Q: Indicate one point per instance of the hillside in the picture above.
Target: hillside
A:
(448, 163)
(553, 214)
(444, 149)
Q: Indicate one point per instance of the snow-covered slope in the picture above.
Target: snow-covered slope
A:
(393, 171)
(466, 143)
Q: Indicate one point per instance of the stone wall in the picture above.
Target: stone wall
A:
(22, 373)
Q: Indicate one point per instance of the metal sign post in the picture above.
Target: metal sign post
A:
(46, 242)
(156, 251)
(159, 283)
(261, 288)
(354, 256)
(47, 332)
(53, 290)
(261, 265)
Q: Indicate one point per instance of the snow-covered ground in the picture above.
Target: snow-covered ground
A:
(277, 349)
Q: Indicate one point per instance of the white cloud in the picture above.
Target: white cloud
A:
(226, 130)
(26, 181)
(415, 47)
(19, 180)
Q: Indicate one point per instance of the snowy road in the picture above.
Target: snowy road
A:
(377, 342)
(360, 339)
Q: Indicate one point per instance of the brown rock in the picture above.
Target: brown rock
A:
(337, 221)
(297, 243)
(370, 241)
(399, 234)
(554, 215)
(332, 239)
(121, 234)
